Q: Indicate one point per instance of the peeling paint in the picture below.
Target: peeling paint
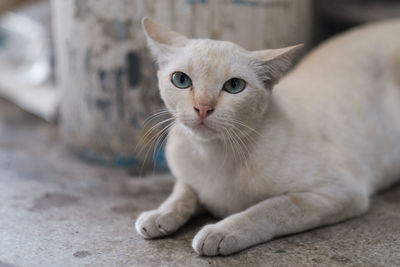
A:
(82, 9)
(133, 69)
(116, 30)
(120, 92)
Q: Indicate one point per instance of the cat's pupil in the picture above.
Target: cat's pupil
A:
(182, 78)
(233, 83)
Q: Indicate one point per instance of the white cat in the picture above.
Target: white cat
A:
(275, 161)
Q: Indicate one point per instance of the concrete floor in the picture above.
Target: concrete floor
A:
(59, 211)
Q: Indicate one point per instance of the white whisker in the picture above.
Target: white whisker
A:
(156, 138)
(143, 140)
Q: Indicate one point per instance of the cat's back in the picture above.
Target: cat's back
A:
(367, 48)
(346, 94)
(357, 72)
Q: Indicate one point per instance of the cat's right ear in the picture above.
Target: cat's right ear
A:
(162, 41)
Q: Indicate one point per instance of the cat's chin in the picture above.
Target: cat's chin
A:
(201, 132)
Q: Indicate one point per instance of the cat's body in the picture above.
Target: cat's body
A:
(328, 139)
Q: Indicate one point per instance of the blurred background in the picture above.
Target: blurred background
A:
(83, 64)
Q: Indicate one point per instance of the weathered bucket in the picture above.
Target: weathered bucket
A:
(107, 78)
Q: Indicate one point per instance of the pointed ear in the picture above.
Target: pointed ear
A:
(274, 63)
(162, 41)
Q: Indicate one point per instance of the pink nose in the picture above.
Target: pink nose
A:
(203, 110)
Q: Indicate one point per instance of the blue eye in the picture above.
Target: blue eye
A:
(181, 80)
(234, 85)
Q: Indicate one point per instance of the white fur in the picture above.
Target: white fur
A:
(324, 139)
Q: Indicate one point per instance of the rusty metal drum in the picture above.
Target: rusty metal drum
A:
(108, 80)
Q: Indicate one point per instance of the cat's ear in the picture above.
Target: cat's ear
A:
(162, 41)
(274, 63)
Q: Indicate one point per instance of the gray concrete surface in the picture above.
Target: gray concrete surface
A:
(59, 211)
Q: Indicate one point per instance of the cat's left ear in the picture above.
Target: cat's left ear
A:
(274, 63)
(162, 41)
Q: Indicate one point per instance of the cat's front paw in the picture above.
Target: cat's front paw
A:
(154, 223)
(214, 240)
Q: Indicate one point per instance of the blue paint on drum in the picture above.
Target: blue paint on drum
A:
(160, 163)
(192, 2)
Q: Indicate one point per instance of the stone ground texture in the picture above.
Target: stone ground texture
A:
(57, 210)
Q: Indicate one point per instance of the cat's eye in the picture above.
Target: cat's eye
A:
(181, 80)
(234, 85)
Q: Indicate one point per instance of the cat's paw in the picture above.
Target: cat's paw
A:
(154, 223)
(214, 240)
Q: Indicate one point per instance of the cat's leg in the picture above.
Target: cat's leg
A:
(281, 215)
(172, 214)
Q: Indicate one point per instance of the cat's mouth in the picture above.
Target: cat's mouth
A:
(201, 128)
(202, 125)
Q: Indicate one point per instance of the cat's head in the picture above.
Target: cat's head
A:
(215, 88)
